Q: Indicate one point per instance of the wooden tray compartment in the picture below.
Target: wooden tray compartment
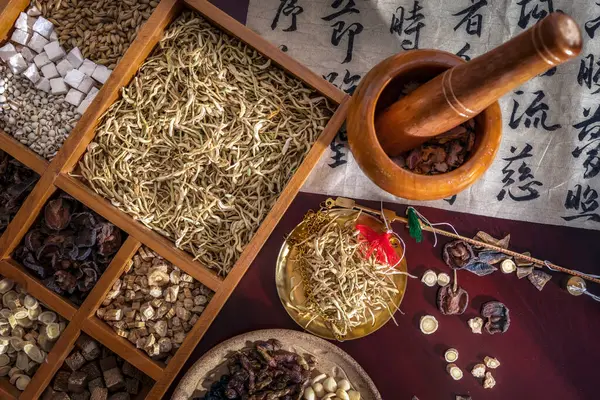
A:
(57, 175)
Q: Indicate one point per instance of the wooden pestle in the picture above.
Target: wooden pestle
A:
(462, 92)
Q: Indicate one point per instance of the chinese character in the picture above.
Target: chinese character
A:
(588, 204)
(451, 200)
(591, 127)
(348, 8)
(537, 112)
(348, 83)
(462, 53)
(525, 178)
(587, 75)
(535, 12)
(339, 32)
(414, 26)
(338, 155)
(471, 17)
(592, 25)
(287, 8)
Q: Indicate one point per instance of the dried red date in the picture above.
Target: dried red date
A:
(69, 247)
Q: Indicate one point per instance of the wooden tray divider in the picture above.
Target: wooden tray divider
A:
(156, 242)
(22, 153)
(57, 174)
(11, 269)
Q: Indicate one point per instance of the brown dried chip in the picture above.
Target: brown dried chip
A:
(489, 239)
(522, 272)
(496, 317)
(457, 254)
(521, 262)
(452, 302)
(539, 279)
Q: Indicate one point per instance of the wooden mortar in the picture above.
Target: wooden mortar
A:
(452, 92)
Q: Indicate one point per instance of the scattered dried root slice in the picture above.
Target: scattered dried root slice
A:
(4, 360)
(443, 279)
(539, 279)
(478, 371)
(455, 372)
(6, 285)
(47, 317)
(576, 286)
(475, 324)
(429, 278)
(30, 302)
(461, 397)
(21, 313)
(4, 370)
(508, 266)
(428, 324)
(489, 381)
(8, 299)
(451, 355)
(452, 302)
(522, 272)
(491, 362)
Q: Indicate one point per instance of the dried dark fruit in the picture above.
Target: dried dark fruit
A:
(57, 214)
(457, 254)
(539, 279)
(16, 182)
(452, 302)
(70, 247)
(496, 317)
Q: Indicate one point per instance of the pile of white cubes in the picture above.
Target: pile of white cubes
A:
(36, 53)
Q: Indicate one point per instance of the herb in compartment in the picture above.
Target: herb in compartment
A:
(16, 182)
(203, 141)
(69, 247)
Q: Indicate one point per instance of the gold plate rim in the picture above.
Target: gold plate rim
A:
(281, 278)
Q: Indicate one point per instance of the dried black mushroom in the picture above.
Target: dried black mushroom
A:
(457, 254)
(16, 182)
(69, 247)
(264, 371)
(496, 317)
(451, 301)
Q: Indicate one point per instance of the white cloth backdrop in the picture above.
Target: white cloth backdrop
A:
(551, 127)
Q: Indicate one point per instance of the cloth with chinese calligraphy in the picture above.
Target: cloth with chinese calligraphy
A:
(548, 167)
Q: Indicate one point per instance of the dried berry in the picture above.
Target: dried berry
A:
(457, 254)
(16, 182)
(452, 302)
(69, 247)
(496, 317)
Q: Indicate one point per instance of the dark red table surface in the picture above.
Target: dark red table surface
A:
(551, 350)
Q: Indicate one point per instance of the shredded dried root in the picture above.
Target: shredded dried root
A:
(203, 140)
(341, 286)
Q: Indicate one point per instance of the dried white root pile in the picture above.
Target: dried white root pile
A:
(343, 287)
(203, 141)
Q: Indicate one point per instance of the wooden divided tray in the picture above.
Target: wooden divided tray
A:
(55, 175)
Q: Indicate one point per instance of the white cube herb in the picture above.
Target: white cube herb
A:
(74, 78)
(17, 63)
(75, 57)
(86, 84)
(101, 73)
(37, 42)
(88, 67)
(64, 67)
(20, 37)
(74, 97)
(24, 22)
(32, 73)
(55, 51)
(7, 51)
(50, 71)
(43, 27)
(41, 59)
(43, 85)
(27, 54)
(58, 86)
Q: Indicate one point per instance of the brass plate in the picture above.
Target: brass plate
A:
(286, 278)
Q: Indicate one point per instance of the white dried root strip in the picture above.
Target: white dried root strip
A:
(342, 287)
(203, 141)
